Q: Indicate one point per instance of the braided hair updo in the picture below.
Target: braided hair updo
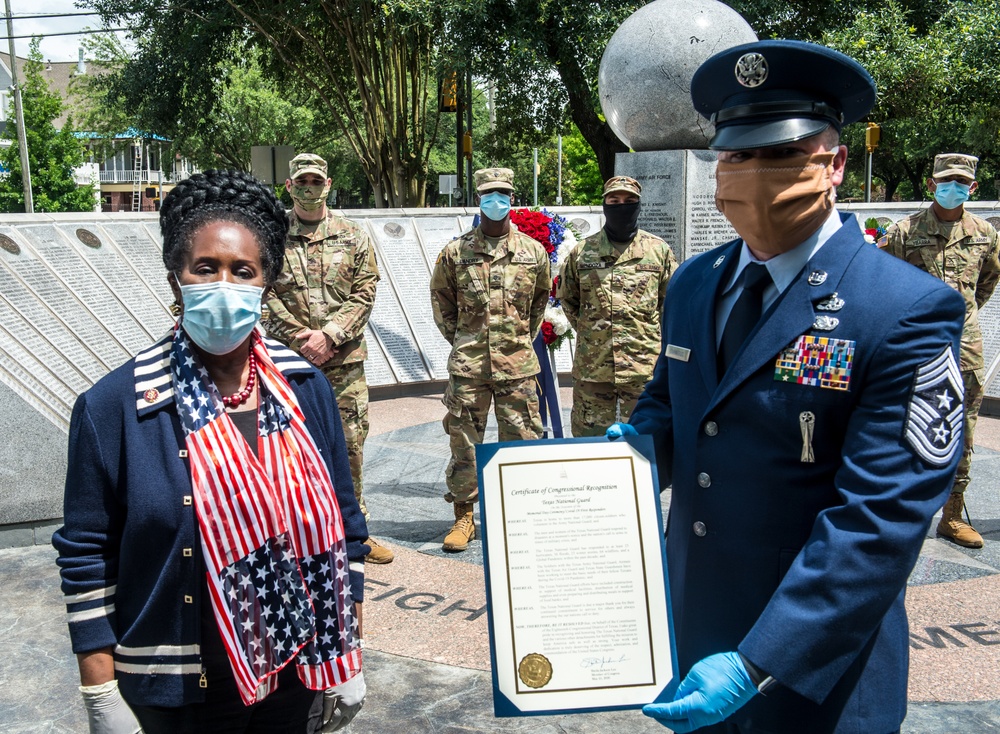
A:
(223, 196)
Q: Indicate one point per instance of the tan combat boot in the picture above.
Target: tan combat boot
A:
(954, 528)
(379, 553)
(463, 530)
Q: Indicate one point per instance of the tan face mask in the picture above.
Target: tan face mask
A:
(309, 198)
(775, 204)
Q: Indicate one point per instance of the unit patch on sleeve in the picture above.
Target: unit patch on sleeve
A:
(820, 361)
(935, 413)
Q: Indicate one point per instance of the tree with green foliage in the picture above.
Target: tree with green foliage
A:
(936, 91)
(582, 184)
(365, 67)
(543, 56)
(249, 109)
(52, 154)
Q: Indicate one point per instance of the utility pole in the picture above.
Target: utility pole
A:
(22, 141)
(467, 140)
(460, 140)
(490, 90)
(559, 169)
(534, 173)
(872, 135)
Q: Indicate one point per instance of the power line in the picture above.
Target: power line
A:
(68, 33)
(29, 16)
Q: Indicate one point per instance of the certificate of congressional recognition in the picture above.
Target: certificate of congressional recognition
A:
(575, 575)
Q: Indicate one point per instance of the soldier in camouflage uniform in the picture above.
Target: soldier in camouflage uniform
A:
(488, 291)
(612, 288)
(321, 302)
(960, 249)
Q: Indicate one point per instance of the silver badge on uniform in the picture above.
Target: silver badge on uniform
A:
(935, 413)
(751, 70)
(717, 263)
(825, 323)
(830, 304)
(817, 277)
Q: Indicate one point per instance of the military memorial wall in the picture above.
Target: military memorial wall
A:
(81, 293)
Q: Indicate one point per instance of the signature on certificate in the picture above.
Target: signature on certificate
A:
(600, 663)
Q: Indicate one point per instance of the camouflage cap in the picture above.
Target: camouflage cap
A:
(955, 164)
(622, 183)
(494, 179)
(306, 163)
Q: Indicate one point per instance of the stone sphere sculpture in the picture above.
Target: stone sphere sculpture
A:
(645, 77)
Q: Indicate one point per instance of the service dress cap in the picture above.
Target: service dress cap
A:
(772, 92)
(623, 184)
(306, 163)
(493, 179)
(955, 164)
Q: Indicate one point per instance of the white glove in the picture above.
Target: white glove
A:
(342, 703)
(107, 712)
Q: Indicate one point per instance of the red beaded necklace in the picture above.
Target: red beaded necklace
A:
(238, 398)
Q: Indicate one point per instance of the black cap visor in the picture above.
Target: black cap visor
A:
(765, 134)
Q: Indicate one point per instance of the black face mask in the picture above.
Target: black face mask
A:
(621, 221)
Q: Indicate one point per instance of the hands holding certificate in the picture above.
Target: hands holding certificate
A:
(715, 688)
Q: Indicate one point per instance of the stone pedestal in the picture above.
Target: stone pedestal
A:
(678, 198)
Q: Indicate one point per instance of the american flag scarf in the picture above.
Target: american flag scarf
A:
(271, 532)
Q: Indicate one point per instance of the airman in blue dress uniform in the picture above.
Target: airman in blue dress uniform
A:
(808, 417)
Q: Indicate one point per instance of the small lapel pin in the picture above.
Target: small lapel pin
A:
(825, 323)
(717, 263)
(830, 304)
(817, 277)
(151, 395)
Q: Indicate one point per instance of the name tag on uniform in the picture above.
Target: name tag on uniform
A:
(523, 257)
(599, 264)
(820, 361)
(469, 261)
(679, 353)
(917, 241)
(981, 240)
(648, 267)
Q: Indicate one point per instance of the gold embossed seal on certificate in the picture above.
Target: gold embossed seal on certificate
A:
(535, 670)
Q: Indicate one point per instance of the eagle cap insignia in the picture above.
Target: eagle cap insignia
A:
(751, 70)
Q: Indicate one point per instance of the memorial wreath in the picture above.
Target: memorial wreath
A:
(556, 235)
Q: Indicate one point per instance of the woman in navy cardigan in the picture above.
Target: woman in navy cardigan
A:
(212, 555)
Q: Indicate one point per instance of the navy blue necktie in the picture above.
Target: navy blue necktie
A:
(745, 314)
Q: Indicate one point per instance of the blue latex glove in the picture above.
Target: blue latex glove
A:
(715, 688)
(617, 430)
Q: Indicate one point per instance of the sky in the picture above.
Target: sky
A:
(53, 48)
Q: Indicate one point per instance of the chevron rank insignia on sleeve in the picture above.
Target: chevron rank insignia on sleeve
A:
(935, 413)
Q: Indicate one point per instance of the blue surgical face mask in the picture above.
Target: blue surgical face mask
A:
(951, 194)
(219, 316)
(495, 205)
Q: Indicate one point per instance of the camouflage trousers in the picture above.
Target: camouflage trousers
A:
(596, 405)
(351, 388)
(515, 403)
(973, 401)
